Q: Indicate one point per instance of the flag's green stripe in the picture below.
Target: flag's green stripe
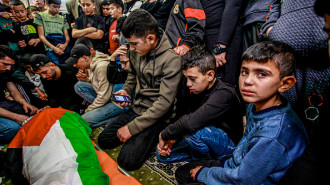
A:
(77, 131)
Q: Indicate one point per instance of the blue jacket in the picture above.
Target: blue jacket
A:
(274, 138)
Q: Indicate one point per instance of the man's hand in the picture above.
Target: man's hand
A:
(82, 75)
(220, 59)
(194, 171)
(124, 93)
(29, 108)
(122, 50)
(124, 134)
(20, 118)
(181, 50)
(44, 108)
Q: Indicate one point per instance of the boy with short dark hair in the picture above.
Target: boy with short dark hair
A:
(53, 32)
(26, 30)
(274, 136)
(116, 11)
(155, 85)
(32, 11)
(209, 119)
(89, 25)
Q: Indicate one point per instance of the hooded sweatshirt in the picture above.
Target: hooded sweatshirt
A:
(99, 81)
(155, 77)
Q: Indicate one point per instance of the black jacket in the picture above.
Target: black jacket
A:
(186, 23)
(218, 106)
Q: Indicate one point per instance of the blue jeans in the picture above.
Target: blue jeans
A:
(205, 143)
(8, 129)
(98, 116)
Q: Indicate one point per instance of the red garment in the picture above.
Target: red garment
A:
(114, 44)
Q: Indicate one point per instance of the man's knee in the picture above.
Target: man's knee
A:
(128, 162)
(8, 131)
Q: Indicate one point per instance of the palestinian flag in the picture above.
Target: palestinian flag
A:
(55, 148)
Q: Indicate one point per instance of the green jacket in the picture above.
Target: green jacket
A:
(155, 78)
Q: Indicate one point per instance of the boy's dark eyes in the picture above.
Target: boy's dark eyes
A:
(261, 74)
(244, 72)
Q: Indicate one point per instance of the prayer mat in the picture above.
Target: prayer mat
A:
(152, 172)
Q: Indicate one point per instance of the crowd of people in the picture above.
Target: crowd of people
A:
(240, 89)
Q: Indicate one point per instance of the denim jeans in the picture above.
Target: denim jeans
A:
(205, 143)
(8, 129)
(136, 149)
(101, 115)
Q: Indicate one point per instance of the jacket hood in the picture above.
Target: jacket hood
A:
(99, 58)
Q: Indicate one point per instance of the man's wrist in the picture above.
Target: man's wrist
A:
(219, 48)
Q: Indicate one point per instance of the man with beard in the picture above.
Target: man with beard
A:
(58, 82)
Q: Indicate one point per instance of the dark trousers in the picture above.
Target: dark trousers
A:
(182, 174)
(137, 149)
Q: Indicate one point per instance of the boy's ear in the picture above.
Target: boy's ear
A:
(210, 75)
(151, 38)
(287, 83)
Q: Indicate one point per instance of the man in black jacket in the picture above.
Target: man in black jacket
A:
(58, 82)
(210, 121)
(215, 23)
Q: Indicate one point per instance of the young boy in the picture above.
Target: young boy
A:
(116, 11)
(53, 32)
(29, 41)
(105, 6)
(89, 25)
(210, 120)
(32, 11)
(274, 136)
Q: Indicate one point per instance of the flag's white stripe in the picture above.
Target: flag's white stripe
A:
(53, 162)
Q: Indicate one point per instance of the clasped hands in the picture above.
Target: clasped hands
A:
(164, 147)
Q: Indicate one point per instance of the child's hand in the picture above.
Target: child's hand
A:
(21, 43)
(58, 51)
(61, 46)
(194, 171)
(44, 108)
(43, 96)
(6, 15)
(115, 37)
(34, 42)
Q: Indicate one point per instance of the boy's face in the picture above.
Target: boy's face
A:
(20, 12)
(124, 62)
(29, 68)
(196, 81)
(141, 46)
(87, 6)
(106, 10)
(115, 12)
(54, 9)
(33, 14)
(259, 83)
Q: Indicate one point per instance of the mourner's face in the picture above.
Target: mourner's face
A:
(38, 3)
(20, 12)
(54, 9)
(106, 10)
(114, 11)
(87, 6)
(47, 72)
(259, 82)
(82, 63)
(198, 82)
(124, 62)
(5, 64)
(142, 45)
